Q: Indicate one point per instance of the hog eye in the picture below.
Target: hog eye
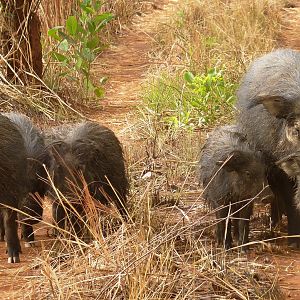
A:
(296, 132)
(247, 173)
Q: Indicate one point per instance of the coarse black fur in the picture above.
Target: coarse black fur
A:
(13, 182)
(94, 151)
(269, 115)
(231, 174)
(38, 157)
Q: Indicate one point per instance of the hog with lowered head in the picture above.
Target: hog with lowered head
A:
(91, 150)
(38, 157)
(232, 175)
(13, 182)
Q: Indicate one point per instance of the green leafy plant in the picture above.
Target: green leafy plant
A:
(210, 95)
(79, 43)
(191, 101)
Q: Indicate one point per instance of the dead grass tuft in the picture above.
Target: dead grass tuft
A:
(226, 34)
(34, 101)
(166, 251)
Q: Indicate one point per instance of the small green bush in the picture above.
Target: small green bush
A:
(210, 95)
(78, 44)
(191, 101)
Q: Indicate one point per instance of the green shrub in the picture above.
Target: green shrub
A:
(210, 95)
(192, 101)
(79, 43)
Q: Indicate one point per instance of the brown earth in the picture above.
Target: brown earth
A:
(126, 64)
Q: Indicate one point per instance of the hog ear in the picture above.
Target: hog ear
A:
(290, 164)
(286, 164)
(85, 150)
(237, 161)
(58, 148)
(277, 106)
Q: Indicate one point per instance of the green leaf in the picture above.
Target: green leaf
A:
(53, 32)
(86, 2)
(189, 77)
(71, 25)
(88, 85)
(64, 45)
(87, 54)
(102, 20)
(59, 57)
(78, 64)
(103, 17)
(99, 92)
(97, 5)
(80, 28)
(84, 16)
(67, 37)
(87, 9)
(93, 42)
(91, 26)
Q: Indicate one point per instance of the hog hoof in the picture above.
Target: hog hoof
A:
(12, 260)
(29, 244)
(294, 245)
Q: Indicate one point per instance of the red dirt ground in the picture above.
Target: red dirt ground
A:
(127, 63)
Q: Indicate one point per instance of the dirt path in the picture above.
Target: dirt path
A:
(290, 36)
(126, 65)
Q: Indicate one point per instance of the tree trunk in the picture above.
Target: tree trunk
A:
(21, 41)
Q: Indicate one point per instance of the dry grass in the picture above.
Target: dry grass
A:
(199, 36)
(290, 34)
(228, 34)
(35, 101)
(167, 250)
(54, 13)
(25, 91)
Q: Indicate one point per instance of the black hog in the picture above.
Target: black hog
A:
(232, 174)
(13, 182)
(38, 157)
(95, 152)
(269, 115)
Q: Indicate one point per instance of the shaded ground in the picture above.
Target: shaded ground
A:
(14, 276)
(126, 65)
